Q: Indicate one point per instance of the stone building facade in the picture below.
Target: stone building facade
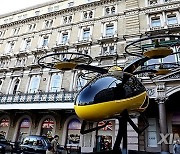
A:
(35, 100)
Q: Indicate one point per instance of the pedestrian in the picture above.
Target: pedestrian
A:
(54, 144)
(176, 148)
(49, 150)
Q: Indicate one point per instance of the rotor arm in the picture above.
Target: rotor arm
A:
(144, 71)
(92, 68)
(134, 65)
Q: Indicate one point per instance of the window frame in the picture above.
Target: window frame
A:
(36, 85)
(9, 47)
(156, 18)
(174, 15)
(111, 12)
(52, 83)
(108, 27)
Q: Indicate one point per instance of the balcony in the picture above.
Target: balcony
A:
(40, 100)
(41, 50)
(108, 38)
(173, 26)
(156, 28)
(61, 46)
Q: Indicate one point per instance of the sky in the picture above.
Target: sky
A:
(7, 6)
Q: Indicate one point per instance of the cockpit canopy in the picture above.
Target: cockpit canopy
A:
(109, 87)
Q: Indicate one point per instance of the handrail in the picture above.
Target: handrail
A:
(40, 97)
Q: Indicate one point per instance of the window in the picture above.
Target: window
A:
(167, 0)
(24, 16)
(5, 21)
(37, 13)
(64, 38)
(36, 58)
(109, 30)
(10, 19)
(55, 83)
(108, 50)
(15, 86)
(70, 4)
(4, 63)
(105, 136)
(48, 23)
(44, 41)
(20, 62)
(0, 83)
(4, 125)
(85, 51)
(31, 27)
(171, 19)
(73, 135)
(67, 19)
(152, 133)
(15, 31)
(34, 84)
(88, 1)
(110, 10)
(87, 14)
(86, 34)
(19, 17)
(2, 33)
(152, 2)
(155, 22)
(9, 47)
(56, 8)
(23, 129)
(26, 44)
(50, 9)
(151, 63)
(47, 128)
(80, 83)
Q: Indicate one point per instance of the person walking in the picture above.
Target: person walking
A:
(49, 150)
(54, 144)
(176, 148)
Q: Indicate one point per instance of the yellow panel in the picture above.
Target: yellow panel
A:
(65, 65)
(100, 111)
(160, 52)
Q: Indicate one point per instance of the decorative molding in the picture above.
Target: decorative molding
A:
(169, 77)
(151, 92)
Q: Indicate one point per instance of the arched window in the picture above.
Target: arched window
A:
(73, 137)
(80, 83)
(0, 84)
(47, 127)
(4, 124)
(15, 86)
(23, 129)
(55, 83)
(34, 84)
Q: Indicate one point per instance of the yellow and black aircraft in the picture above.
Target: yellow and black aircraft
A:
(111, 93)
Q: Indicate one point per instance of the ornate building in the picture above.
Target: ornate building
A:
(35, 100)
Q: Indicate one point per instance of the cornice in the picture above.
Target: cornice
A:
(175, 75)
(31, 8)
(160, 5)
(55, 13)
(160, 8)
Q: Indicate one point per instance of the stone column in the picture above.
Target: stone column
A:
(162, 116)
